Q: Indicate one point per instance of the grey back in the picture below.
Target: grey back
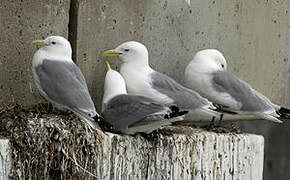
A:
(125, 111)
(64, 83)
(241, 91)
(183, 97)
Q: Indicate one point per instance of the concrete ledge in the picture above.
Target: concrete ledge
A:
(195, 154)
(5, 159)
(61, 146)
(48, 144)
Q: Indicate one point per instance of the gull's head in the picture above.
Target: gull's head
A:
(209, 60)
(130, 51)
(114, 85)
(55, 46)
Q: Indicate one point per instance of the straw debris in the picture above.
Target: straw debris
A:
(48, 143)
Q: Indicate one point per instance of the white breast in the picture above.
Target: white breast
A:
(138, 82)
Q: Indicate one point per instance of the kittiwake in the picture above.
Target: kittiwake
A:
(60, 81)
(130, 114)
(142, 80)
(207, 74)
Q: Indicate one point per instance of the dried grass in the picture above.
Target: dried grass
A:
(48, 143)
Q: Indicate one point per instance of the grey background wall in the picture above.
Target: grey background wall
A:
(21, 22)
(253, 35)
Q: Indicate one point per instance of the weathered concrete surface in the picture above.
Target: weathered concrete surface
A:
(186, 154)
(177, 153)
(253, 35)
(197, 154)
(102, 25)
(5, 159)
(49, 144)
(21, 22)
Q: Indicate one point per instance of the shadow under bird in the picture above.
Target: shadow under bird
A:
(130, 114)
(207, 74)
(60, 81)
(142, 80)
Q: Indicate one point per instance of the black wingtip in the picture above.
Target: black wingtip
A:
(221, 109)
(175, 112)
(284, 110)
(104, 125)
(284, 113)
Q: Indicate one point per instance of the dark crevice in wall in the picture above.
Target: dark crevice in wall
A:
(72, 27)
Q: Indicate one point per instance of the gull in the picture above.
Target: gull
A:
(207, 74)
(60, 81)
(130, 114)
(142, 80)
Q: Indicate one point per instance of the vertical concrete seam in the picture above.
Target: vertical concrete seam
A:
(73, 27)
(114, 143)
(147, 167)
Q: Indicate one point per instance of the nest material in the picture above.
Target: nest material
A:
(48, 143)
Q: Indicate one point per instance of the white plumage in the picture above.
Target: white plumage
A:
(130, 114)
(207, 74)
(142, 80)
(60, 81)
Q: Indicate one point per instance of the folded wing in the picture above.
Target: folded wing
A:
(64, 84)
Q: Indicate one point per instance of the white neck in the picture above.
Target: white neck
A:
(140, 65)
(41, 54)
(206, 67)
(114, 85)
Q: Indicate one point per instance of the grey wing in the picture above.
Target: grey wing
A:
(183, 97)
(64, 84)
(124, 111)
(241, 91)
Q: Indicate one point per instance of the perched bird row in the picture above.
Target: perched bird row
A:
(140, 99)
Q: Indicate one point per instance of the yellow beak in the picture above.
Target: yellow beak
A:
(108, 65)
(111, 52)
(39, 43)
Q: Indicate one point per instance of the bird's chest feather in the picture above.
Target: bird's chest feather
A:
(137, 82)
(200, 83)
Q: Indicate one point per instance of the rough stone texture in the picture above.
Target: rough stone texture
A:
(197, 154)
(175, 153)
(50, 144)
(253, 35)
(5, 159)
(194, 154)
(102, 25)
(21, 23)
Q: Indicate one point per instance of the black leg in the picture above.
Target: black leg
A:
(212, 122)
(221, 118)
(49, 107)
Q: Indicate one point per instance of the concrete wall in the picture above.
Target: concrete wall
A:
(5, 159)
(21, 22)
(253, 35)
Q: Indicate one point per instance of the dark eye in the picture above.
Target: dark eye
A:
(53, 42)
(223, 66)
(126, 50)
